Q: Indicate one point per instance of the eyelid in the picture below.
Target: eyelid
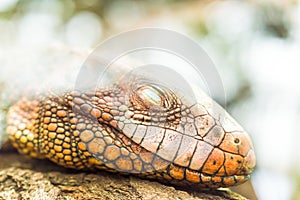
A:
(150, 95)
(147, 95)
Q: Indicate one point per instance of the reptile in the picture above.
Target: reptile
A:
(141, 128)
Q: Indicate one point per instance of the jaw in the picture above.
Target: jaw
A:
(170, 173)
(186, 177)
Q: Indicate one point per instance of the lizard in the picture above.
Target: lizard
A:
(141, 128)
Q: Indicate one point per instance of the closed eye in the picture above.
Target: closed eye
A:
(151, 96)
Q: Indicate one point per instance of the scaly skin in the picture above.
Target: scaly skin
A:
(142, 128)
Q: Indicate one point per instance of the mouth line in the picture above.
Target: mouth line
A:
(237, 177)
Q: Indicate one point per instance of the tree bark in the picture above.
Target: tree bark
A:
(26, 178)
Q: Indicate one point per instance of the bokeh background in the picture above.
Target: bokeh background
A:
(255, 45)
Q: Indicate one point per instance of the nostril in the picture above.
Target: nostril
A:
(236, 140)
